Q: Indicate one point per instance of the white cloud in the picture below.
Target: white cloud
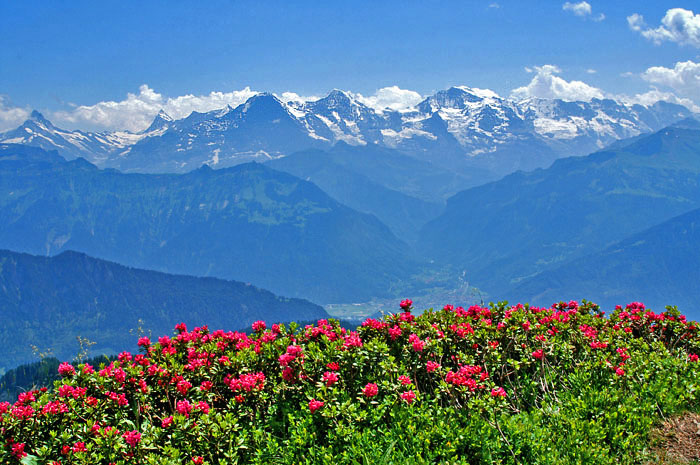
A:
(583, 10)
(10, 115)
(494, 5)
(136, 111)
(655, 95)
(678, 25)
(636, 22)
(294, 97)
(393, 98)
(579, 9)
(546, 84)
(591, 71)
(683, 78)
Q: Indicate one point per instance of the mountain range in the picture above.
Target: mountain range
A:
(50, 301)
(471, 131)
(521, 235)
(249, 223)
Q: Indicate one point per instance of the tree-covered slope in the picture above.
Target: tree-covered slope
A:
(661, 265)
(48, 302)
(506, 231)
(249, 223)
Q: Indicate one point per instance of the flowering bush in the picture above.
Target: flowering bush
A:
(505, 384)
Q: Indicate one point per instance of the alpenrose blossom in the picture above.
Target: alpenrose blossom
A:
(370, 390)
(259, 326)
(538, 354)
(184, 407)
(66, 369)
(406, 304)
(315, 405)
(18, 450)
(330, 378)
(408, 396)
(132, 437)
(79, 447)
(498, 392)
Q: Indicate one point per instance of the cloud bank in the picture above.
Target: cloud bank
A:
(136, 111)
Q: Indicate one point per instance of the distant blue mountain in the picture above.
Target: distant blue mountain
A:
(249, 223)
(49, 302)
(659, 266)
(534, 224)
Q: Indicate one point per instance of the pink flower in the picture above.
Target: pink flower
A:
(79, 447)
(416, 342)
(394, 332)
(183, 386)
(352, 340)
(288, 374)
(184, 407)
(432, 366)
(18, 450)
(408, 396)
(330, 378)
(144, 342)
(333, 366)
(526, 326)
(403, 379)
(370, 390)
(202, 407)
(315, 405)
(132, 437)
(206, 386)
(167, 422)
(619, 371)
(259, 326)
(693, 357)
(406, 304)
(498, 392)
(66, 369)
(198, 460)
(538, 354)
(181, 327)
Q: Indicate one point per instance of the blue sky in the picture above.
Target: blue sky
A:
(59, 56)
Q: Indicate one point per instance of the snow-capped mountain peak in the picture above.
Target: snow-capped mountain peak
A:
(38, 118)
(456, 123)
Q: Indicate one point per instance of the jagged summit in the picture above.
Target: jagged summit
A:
(160, 122)
(39, 118)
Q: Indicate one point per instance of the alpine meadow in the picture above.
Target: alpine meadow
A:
(354, 233)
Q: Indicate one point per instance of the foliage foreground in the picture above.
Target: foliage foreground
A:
(498, 384)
